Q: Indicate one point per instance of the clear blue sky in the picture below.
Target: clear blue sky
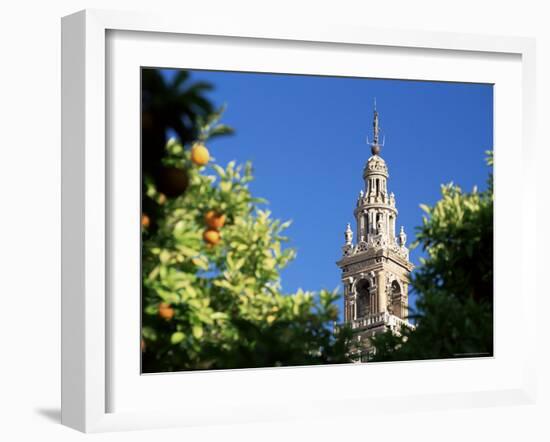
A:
(306, 138)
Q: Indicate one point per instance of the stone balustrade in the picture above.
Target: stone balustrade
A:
(377, 319)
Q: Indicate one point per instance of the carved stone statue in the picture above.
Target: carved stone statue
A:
(348, 235)
(380, 227)
(402, 237)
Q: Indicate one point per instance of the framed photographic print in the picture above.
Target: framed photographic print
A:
(263, 223)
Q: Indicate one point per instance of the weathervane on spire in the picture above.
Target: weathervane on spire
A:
(375, 145)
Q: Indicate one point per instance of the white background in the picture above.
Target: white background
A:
(30, 219)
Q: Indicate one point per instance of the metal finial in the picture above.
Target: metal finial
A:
(375, 145)
(375, 127)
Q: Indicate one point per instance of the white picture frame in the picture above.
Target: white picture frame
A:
(90, 323)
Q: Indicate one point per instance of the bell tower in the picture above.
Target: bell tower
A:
(375, 269)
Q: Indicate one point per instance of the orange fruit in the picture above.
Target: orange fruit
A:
(145, 221)
(211, 236)
(214, 220)
(166, 311)
(161, 198)
(172, 181)
(142, 345)
(200, 154)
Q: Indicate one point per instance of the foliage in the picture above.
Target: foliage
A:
(228, 308)
(454, 311)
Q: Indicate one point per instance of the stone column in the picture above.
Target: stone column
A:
(381, 284)
(372, 221)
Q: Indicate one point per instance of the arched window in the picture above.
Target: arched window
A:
(396, 308)
(362, 291)
(395, 288)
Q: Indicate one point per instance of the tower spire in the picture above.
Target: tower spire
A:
(375, 145)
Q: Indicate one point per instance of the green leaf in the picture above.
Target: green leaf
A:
(221, 129)
(187, 251)
(177, 337)
(425, 208)
(201, 262)
(225, 186)
(219, 170)
(197, 331)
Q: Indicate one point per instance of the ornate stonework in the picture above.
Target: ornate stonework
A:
(376, 269)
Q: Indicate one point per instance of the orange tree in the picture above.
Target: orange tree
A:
(211, 290)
